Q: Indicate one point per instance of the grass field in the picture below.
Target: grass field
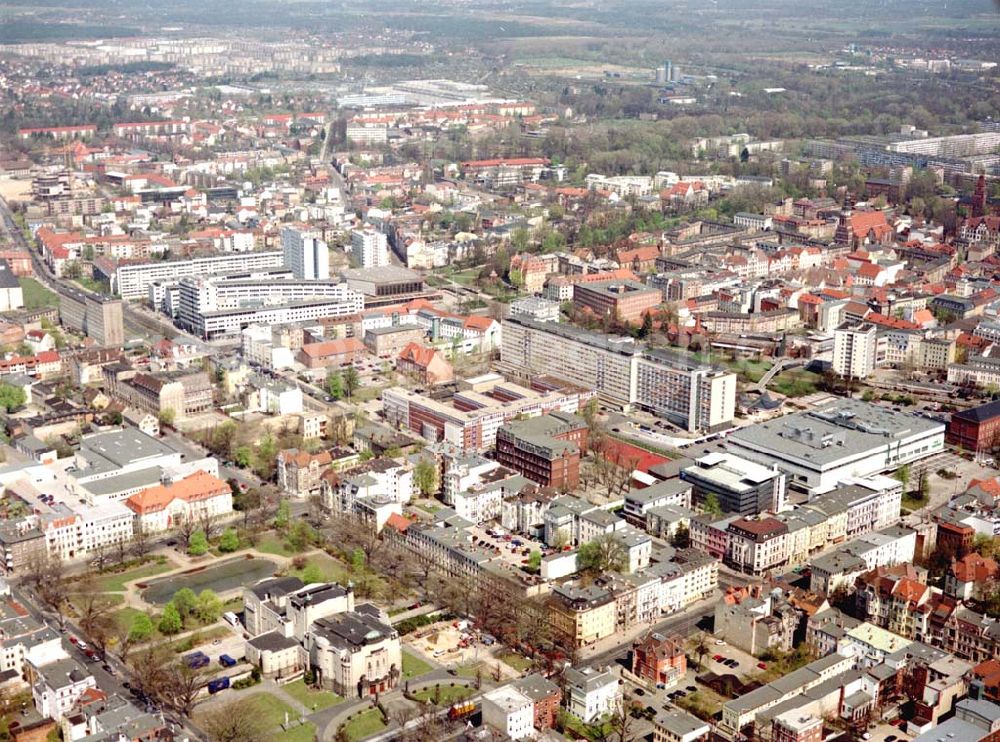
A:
(333, 569)
(413, 666)
(273, 544)
(270, 709)
(364, 724)
(447, 695)
(469, 671)
(517, 661)
(302, 733)
(115, 583)
(310, 697)
(37, 296)
(795, 383)
(750, 370)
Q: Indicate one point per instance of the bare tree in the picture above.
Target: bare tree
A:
(100, 560)
(141, 544)
(234, 722)
(208, 523)
(46, 576)
(185, 528)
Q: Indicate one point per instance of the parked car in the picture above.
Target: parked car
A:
(214, 686)
(226, 661)
(762, 665)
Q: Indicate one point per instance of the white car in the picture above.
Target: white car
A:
(719, 642)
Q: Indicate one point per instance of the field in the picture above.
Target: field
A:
(310, 697)
(413, 666)
(364, 725)
(795, 383)
(37, 296)
(447, 695)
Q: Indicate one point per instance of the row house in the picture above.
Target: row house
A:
(895, 598)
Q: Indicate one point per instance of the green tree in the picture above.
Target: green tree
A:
(300, 535)
(535, 561)
(312, 573)
(351, 381)
(208, 607)
(606, 553)
(711, 504)
(681, 538)
(168, 416)
(11, 397)
(243, 456)
(198, 544)
(141, 628)
(358, 560)
(229, 540)
(425, 477)
(335, 384)
(903, 475)
(170, 621)
(184, 601)
(283, 515)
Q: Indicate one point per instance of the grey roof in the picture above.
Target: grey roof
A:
(274, 586)
(658, 491)
(353, 629)
(821, 437)
(536, 687)
(7, 278)
(107, 452)
(679, 722)
(613, 343)
(588, 678)
(272, 641)
(953, 729)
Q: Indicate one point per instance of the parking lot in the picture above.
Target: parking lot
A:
(723, 659)
(515, 550)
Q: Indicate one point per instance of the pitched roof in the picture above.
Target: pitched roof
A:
(198, 486)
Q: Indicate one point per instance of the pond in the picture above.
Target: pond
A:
(219, 578)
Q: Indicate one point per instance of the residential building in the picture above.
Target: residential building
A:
(331, 353)
(427, 365)
(855, 350)
(581, 616)
(757, 546)
(690, 394)
(299, 471)
(758, 621)
(369, 247)
(658, 659)
(841, 567)
(673, 724)
(305, 254)
(11, 296)
(58, 685)
(179, 395)
(545, 695)
(509, 711)
(389, 342)
(591, 693)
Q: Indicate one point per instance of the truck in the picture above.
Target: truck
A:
(214, 686)
(196, 660)
(461, 709)
(226, 661)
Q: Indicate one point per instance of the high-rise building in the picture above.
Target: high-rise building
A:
(692, 395)
(369, 247)
(855, 347)
(668, 71)
(305, 254)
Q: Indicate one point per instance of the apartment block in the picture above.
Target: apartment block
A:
(132, 281)
(625, 301)
(545, 449)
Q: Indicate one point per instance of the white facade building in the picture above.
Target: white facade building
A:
(305, 254)
(510, 712)
(369, 247)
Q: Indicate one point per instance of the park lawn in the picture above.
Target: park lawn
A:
(448, 694)
(333, 569)
(302, 733)
(795, 383)
(309, 697)
(233, 605)
(517, 661)
(126, 614)
(364, 725)
(273, 544)
(115, 582)
(37, 296)
(271, 709)
(469, 671)
(414, 667)
(750, 370)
